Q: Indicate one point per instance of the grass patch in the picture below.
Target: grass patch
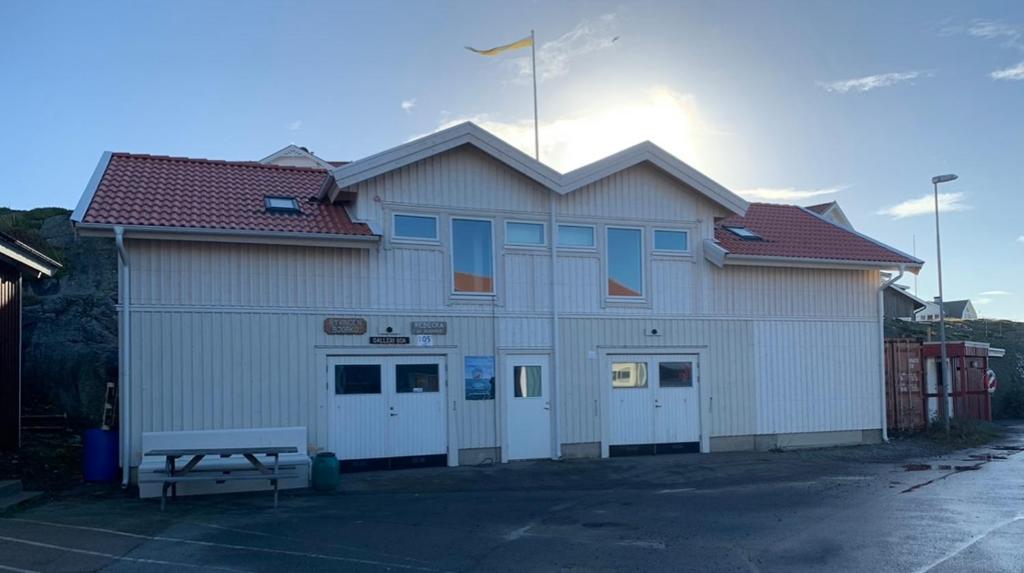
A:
(963, 433)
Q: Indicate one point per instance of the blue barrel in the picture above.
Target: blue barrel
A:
(99, 458)
(326, 472)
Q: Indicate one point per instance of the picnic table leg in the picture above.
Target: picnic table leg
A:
(174, 486)
(163, 495)
(275, 480)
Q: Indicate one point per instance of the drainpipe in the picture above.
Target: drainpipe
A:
(881, 341)
(554, 326)
(123, 391)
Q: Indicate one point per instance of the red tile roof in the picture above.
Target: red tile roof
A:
(791, 231)
(160, 191)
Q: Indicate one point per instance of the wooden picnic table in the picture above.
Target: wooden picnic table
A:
(174, 474)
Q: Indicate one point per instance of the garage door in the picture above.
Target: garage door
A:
(387, 406)
(654, 399)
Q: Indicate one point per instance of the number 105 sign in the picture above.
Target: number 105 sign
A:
(424, 340)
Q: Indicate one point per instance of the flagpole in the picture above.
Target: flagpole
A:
(536, 127)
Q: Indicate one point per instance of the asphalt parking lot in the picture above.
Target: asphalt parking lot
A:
(874, 508)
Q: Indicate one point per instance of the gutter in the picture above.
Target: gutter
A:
(124, 383)
(881, 341)
(554, 328)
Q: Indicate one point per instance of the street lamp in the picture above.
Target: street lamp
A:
(946, 375)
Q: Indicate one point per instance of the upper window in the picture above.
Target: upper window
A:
(415, 227)
(472, 256)
(625, 262)
(416, 378)
(576, 236)
(666, 241)
(281, 204)
(744, 233)
(525, 234)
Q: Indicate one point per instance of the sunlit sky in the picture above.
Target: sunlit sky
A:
(797, 102)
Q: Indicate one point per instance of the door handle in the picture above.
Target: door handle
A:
(547, 405)
(392, 412)
(657, 404)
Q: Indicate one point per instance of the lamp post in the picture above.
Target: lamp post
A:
(946, 374)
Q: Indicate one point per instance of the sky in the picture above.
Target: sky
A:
(793, 102)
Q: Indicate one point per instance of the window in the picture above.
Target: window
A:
(472, 256)
(526, 234)
(666, 241)
(675, 374)
(357, 379)
(281, 204)
(416, 378)
(744, 233)
(526, 381)
(415, 227)
(576, 236)
(625, 262)
(629, 375)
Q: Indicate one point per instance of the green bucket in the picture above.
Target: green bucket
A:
(326, 472)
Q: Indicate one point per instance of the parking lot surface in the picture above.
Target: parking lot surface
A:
(871, 508)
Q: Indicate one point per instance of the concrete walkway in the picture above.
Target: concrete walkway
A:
(877, 508)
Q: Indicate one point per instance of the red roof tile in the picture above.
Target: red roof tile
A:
(791, 231)
(159, 191)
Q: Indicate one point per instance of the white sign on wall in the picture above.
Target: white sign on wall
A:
(424, 340)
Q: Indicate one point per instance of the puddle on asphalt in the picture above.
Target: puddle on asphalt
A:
(926, 467)
(917, 467)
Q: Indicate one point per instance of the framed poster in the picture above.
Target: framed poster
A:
(479, 375)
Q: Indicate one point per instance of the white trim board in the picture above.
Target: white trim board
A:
(469, 133)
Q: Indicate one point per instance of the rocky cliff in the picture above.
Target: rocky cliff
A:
(69, 321)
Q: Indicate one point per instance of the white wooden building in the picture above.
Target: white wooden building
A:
(454, 297)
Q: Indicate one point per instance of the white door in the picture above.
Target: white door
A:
(654, 399)
(632, 403)
(677, 408)
(529, 407)
(387, 406)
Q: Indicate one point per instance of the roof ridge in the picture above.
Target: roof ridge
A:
(203, 160)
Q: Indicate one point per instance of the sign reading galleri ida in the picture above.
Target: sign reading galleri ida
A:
(479, 377)
(389, 340)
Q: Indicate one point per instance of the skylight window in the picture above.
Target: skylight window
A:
(744, 233)
(282, 204)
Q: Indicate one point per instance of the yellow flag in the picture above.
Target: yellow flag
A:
(524, 43)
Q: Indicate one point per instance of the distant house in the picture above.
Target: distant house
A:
(960, 309)
(900, 303)
(16, 260)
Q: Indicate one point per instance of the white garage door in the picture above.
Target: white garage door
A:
(654, 399)
(387, 406)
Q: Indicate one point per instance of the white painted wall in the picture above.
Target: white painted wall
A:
(230, 335)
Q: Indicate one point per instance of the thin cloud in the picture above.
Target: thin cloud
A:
(295, 125)
(1011, 73)
(775, 194)
(1020, 239)
(996, 293)
(1009, 36)
(868, 83)
(925, 205)
(554, 57)
(983, 300)
(408, 104)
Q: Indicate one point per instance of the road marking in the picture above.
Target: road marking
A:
(680, 490)
(16, 570)
(517, 533)
(644, 544)
(230, 546)
(110, 555)
(969, 543)
(289, 538)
